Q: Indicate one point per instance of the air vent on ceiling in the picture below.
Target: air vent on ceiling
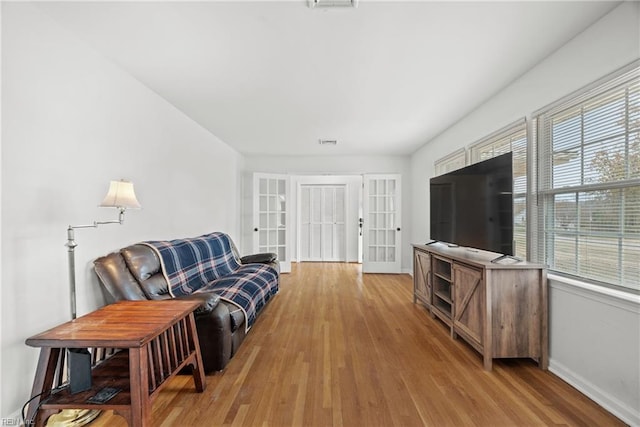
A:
(328, 141)
(332, 3)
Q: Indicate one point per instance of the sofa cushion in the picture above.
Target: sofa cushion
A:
(262, 258)
(142, 261)
(113, 272)
(250, 287)
(208, 300)
(190, 263)
(156, 287)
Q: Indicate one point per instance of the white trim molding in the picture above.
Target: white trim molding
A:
(594, 342)
(626, 413)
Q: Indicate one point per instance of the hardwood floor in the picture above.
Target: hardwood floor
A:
(339, 348)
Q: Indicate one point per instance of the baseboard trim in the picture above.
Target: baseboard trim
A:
(626, 413)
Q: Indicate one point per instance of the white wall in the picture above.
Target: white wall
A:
(611, 370)
(330, 165)
(72, 121)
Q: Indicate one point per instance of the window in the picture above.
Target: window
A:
(451, 162)
(511, 138)
(589, 186)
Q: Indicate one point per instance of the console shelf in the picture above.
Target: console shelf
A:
(499, 309)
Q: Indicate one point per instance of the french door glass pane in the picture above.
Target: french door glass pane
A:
(382, 238)
(391, 187)
(382, 187)
(391, 254)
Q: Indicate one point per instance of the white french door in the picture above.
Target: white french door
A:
(381, 225)
(322, 225)
(271, 218)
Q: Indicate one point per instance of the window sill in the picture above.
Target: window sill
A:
(603, 294)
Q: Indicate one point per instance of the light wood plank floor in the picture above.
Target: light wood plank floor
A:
(339, 348)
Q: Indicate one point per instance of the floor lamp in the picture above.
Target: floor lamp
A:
(120, 196)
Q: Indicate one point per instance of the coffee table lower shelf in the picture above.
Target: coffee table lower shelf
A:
(113, 372)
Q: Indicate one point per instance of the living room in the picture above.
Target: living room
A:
(73, 119)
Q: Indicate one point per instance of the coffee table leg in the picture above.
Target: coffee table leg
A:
(45, 372)
(198, 371)
(139, 383)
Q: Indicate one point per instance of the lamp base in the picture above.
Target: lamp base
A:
(73, 418)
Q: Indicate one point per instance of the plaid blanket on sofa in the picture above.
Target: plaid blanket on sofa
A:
(208, 263)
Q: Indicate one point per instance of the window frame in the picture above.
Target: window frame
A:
(450, 162)
(513, 132)
(545, 192)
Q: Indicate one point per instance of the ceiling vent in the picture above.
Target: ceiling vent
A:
(332, 3)
(328, 141)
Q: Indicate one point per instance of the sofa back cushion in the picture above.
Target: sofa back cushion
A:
(145, 267)
(114, 274)
(191, 263)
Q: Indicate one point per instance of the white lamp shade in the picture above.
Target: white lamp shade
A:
(121, 195)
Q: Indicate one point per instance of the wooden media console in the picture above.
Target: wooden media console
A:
(500, 309)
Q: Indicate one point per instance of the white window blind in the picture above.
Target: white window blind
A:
(589, 187)
(510, 138)
(451, 162)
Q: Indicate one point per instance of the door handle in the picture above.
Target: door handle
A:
(398, 229)
(255, 229)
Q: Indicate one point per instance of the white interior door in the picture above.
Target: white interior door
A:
(381, 225)
(322, 231)
(270, 217)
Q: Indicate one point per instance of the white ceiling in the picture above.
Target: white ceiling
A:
(274, 77)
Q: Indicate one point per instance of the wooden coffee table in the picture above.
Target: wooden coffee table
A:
(136, 347)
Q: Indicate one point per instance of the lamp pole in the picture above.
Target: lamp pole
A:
(71, 245)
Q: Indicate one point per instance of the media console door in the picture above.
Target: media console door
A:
(469, 298)
(422, 278)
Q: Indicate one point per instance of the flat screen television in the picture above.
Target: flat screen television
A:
(473, 206)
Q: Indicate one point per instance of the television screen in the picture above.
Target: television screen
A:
(473, 206)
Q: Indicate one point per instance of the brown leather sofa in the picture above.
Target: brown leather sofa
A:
(134, 273)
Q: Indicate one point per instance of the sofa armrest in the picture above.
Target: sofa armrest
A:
(215, 336)
(263, 258)
(209, 301)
